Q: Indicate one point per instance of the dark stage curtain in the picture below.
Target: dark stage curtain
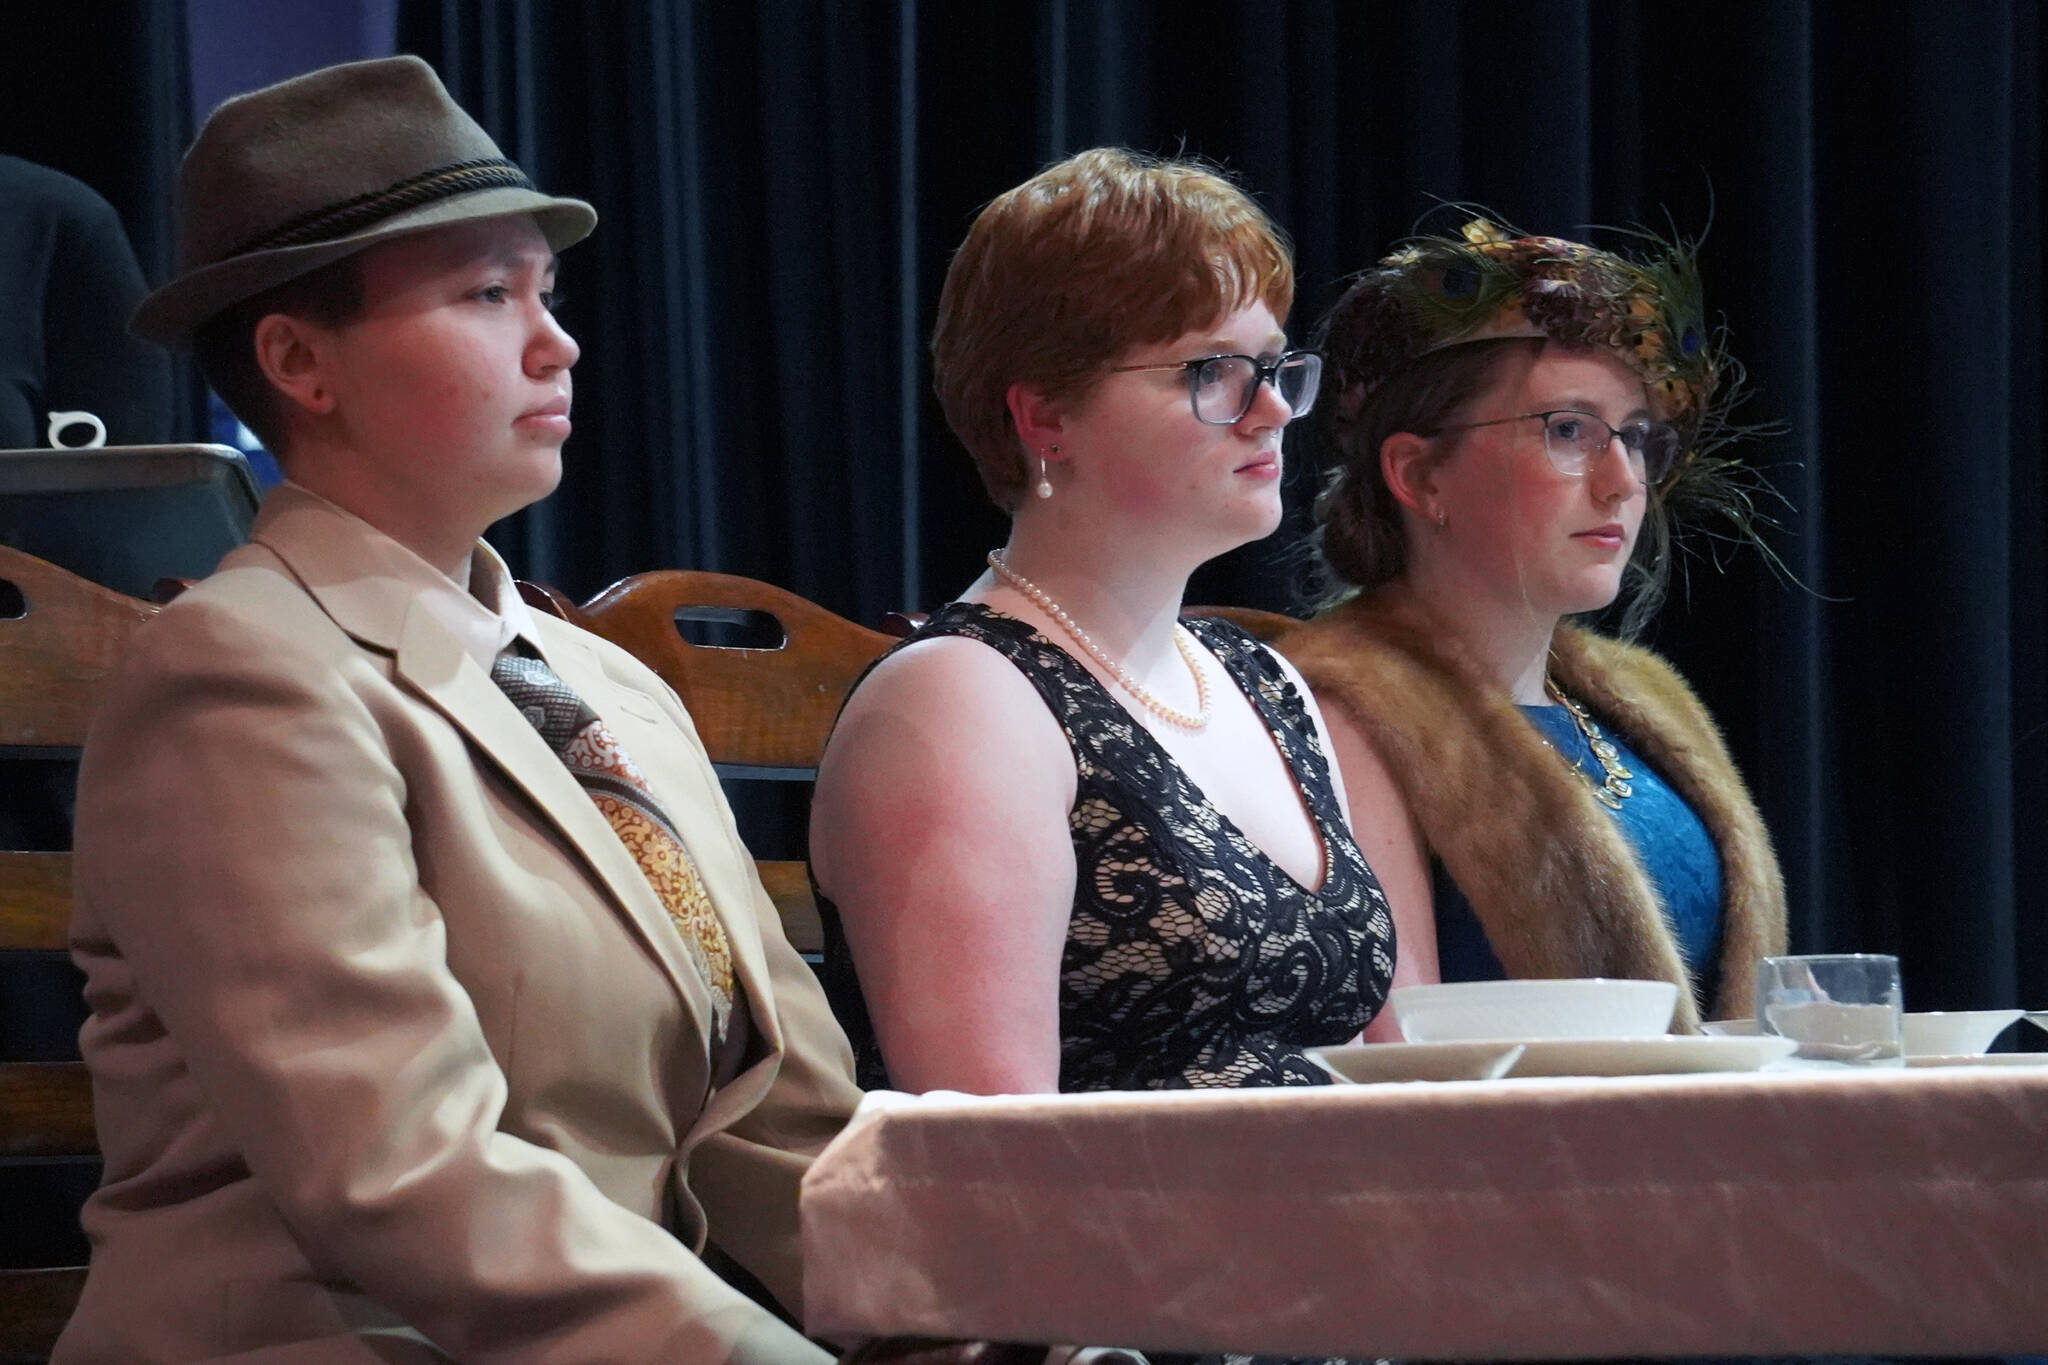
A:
(746, 304)
(782, 185)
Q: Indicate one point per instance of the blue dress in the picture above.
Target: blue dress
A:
(1669, 841)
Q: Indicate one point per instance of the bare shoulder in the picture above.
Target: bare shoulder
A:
(1381, 820)
(956, 700)
(944, 739)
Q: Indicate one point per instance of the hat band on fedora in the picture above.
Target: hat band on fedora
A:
(351, 215)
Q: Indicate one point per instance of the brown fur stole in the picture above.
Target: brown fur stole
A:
(1549, 873)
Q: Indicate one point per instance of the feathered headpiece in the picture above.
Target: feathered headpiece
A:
(1483, 285)
(1486, 284)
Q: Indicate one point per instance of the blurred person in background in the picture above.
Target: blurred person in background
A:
(68, 281)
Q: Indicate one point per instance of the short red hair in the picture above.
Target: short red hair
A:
(1064, 275)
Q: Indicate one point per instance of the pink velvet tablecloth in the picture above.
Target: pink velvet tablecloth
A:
(1900, 1212)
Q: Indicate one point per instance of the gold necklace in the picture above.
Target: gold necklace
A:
(1616, 788)
(1197, 720)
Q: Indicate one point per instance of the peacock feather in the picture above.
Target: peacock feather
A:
(1488, 281)
(1450, 288)
(1646, 306)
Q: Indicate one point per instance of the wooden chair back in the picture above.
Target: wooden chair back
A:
(764, 710)
(59, 638)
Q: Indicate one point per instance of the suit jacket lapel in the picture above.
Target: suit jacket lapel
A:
(341, 562)
(433, 662)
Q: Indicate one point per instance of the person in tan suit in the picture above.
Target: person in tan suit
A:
(437, 1010)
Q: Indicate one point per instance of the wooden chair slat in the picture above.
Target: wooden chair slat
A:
(54, 655)
(59, 640)
(789, 886)
(766, 708)
(34, 1306)
(757, 708)
(46, 1110)
(35, 901)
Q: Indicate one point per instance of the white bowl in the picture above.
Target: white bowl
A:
(1525, 1010)
(1955, 1033)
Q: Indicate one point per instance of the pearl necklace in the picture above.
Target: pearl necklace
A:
(1197, 720)
(1616, 788)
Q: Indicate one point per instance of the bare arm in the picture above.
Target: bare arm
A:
(939, 829)
(1394, 849)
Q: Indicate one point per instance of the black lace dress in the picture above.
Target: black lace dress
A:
(1191, 958)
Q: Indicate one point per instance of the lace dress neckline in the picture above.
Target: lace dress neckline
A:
(1303, 782)
(1268, 721)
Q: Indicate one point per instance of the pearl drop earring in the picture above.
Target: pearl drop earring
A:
(1044, 489)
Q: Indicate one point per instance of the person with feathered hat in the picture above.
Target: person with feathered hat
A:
(1518, 421)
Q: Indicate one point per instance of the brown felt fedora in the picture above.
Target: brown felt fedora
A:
(284, 180)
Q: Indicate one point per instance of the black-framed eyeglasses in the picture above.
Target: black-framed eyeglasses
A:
(1222, 388)
(1573, 439)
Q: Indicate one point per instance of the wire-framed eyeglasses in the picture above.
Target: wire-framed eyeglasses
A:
(1222, 388)
(1573, 439)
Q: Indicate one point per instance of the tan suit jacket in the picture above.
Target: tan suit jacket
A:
(391, 1042)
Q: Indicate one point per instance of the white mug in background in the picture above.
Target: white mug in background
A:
(1839, 1007)
(60, 421)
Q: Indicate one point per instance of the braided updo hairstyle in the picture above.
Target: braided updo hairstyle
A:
(1360, 539)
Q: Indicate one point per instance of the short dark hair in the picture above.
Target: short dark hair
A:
(226, 345)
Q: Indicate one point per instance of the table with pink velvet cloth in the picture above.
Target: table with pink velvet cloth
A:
(1901, 1212)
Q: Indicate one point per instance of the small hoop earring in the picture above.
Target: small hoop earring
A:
(1044, 489)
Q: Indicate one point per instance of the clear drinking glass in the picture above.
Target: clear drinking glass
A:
(1839, 1007)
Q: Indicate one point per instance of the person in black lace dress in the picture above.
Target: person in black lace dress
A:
(1063, 839)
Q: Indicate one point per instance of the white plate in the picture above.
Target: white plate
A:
(1984, 1059)
(1479, 1061)
(1649, 1056)
(1368, 1063)
(2038, 1018)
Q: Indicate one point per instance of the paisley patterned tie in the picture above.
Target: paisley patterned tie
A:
(588, 749)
